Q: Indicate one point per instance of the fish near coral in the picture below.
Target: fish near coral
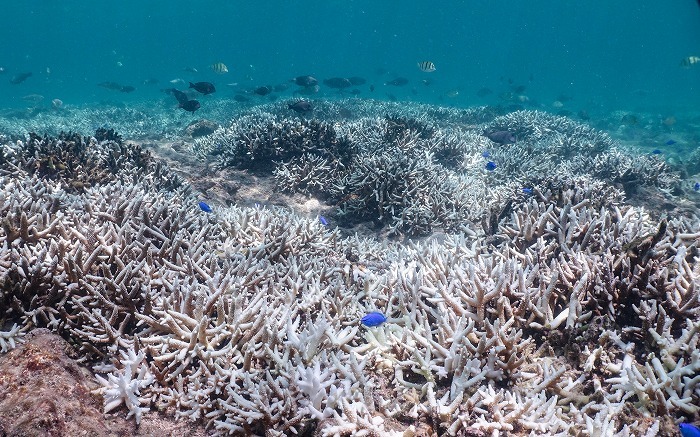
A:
(203, 87)
(490, 166)
(190, 105)
(301, 107)
(688, 430)
(500, 136)
(204, 207)
(323, 220)
(373, 319)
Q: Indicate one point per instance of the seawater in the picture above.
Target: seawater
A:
(604, 55)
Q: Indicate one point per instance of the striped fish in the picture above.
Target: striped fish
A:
(219, 68)
(690, 61)
(426, 66)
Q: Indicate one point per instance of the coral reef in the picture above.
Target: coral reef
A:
(417, 175)
(560, 311)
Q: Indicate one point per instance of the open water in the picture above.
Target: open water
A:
(602, 55)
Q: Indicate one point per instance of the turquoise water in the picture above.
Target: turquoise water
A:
(623, 55)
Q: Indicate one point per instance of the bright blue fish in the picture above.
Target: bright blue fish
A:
(373, 319)
(486, 154)
(204, 206)
(670, 142)
(656, 152)
(688, 430)
(527, 191)
(696, 187)
(323, 220)
(490, 166)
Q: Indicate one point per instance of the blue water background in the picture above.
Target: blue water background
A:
(604, 54)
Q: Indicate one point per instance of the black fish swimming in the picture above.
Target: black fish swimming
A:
(262, 90)
(190, 105)
(305, 81)
(203, 87)
(110, 85)
(19, 78)
(180, 96)
(357, 81)
(500, 137)
(399, 81)
(301, 106)
(337, 83)
(127, 89)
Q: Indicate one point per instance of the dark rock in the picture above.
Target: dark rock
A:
(44, 392)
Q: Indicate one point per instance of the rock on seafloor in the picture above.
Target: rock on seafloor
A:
(45, 392)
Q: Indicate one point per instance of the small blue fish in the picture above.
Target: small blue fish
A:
(670, 142)
(527, 191)
(486, 154)
(688, 430)
(323, 220)
(490, 166)
(373, 319)
(696, 187)
(204, 206)
(656, 152)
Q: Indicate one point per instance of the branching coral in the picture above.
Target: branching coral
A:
(572, 309)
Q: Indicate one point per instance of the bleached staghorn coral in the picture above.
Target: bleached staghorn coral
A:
(249, 317)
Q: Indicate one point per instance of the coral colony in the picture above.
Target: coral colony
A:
(555, 309)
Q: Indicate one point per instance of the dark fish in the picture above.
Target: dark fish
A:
(262, 90)
(204, 206)
(656, 152)
(240, 98)
(179, 95)
(301, 106)
(519, 89)
(630, 119)
(305, 81)
(203, 87)
(371, 88)
(337, 82)
(19, 78)
(696, 187)
(527, 191)
(357, 81)
(688, 430)
(500, 137)
(399, 81)
(190, 105)
(110, 85)
(483, 92)
(486, 154)
(374, 318)
(127, 89)
(490, 166)
(670, 142)
(323, 220)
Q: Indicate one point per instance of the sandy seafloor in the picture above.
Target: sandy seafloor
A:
(163, 130)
